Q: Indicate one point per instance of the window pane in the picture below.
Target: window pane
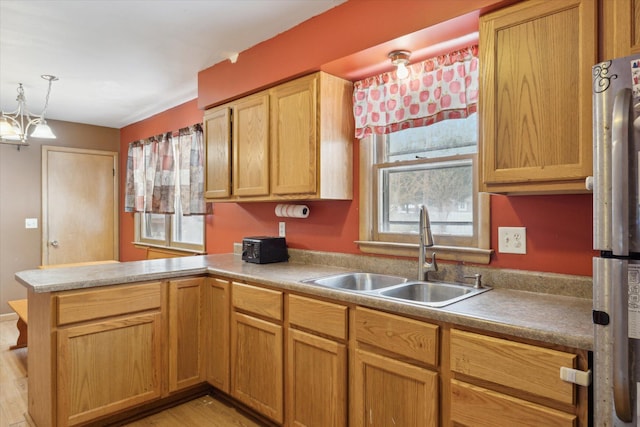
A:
(188, 229)
(446, 138)
(446, 188)
(153, 226)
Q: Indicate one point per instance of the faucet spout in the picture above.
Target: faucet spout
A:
(426, 240)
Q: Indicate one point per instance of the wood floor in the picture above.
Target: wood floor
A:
(204, 411)
(13, 378)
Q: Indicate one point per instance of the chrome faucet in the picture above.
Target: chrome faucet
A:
(426, 240)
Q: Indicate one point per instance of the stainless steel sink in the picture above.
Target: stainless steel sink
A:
(432, 294)
(358, 281)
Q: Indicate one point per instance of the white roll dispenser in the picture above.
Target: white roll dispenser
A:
(292, 211)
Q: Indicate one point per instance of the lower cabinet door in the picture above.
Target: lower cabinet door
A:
(215, 332)
(316, 381)
(388, 392)
(184, 333)
(257, 365)
(477, 406)
(108, 366)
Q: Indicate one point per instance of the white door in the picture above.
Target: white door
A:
(79, 205)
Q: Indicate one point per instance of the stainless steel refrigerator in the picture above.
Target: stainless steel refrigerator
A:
(616, 234)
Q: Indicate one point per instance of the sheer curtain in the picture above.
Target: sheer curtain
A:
(436, 89)
(162, 166)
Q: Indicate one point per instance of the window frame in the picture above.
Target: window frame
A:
(476, 250)
(168, 242)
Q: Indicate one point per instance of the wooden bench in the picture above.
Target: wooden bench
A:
(20, 307)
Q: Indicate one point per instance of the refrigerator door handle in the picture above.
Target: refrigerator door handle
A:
(620, 329)
(620, 173)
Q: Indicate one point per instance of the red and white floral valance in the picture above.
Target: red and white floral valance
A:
(445, 87)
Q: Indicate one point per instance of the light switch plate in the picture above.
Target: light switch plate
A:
(512, 240)
(31, 223)
(282, 229)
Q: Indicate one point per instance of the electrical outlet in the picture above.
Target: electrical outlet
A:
(512, 240)
(281, 229)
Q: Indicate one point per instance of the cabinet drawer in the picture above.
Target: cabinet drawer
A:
(319, 316)
(525, 367)
(79, 306)
(472, 405)
(407, 337)
(264, 302)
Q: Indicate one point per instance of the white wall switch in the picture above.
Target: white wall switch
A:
(31, 223)
(512, 240)
(281, 229)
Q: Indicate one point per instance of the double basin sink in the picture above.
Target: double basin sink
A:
(427, 293)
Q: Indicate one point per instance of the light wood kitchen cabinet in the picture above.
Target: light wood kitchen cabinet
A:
(237, 146)
(501, 382)
(290, 142)
(316, 363)
(217, 131)
(184, 332)
(620, 28)
(109, 351)
(215, 327)
(311, 137)
(250, 147)
(536, 108)
(257, 342)
(394, 378)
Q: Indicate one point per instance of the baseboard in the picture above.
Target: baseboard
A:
(8, 316)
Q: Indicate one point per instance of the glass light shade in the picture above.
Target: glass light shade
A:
(7, 130)
(43, 130)
(402, 72)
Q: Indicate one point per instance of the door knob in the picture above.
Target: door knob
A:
(54, 243)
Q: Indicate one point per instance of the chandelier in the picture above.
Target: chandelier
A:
(15, 126)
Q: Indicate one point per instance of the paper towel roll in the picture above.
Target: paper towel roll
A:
(292, 211)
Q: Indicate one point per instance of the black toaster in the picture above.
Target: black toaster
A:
(264, 249)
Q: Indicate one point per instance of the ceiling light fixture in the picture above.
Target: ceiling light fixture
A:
(15, 126)
(400, 58)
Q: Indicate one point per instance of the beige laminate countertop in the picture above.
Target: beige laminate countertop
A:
(548, 318)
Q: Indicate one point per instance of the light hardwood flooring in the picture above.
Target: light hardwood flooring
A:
(13, 378)
(204, 411)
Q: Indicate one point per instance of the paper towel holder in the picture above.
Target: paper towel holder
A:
(292, 211)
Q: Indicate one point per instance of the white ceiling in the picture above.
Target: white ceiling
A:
(121, 61)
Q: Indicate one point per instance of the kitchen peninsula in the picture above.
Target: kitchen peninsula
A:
(107, 340)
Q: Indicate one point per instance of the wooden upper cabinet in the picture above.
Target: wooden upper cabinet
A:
(217, 130)
(291, 142)
(536, 107)
(250, 151)
(294, 136)
(620, 28)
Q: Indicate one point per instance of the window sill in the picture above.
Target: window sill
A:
(451, 253)
(155, 251)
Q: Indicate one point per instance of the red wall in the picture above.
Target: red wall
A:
(559, 232)
(558, 227)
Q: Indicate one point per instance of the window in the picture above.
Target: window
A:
(175, 231)
(165, 187)
(435, 166)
